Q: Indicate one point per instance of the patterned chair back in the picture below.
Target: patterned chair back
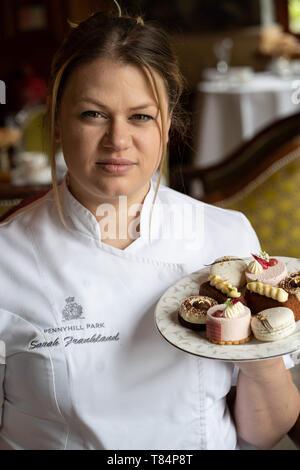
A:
(262, 180)
(272, 204)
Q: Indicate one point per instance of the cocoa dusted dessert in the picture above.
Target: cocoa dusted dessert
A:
(291, 284)
(192, 311)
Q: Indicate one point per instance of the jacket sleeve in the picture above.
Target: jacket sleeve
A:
(2, 372)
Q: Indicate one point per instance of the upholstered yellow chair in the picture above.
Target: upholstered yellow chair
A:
(262, 180)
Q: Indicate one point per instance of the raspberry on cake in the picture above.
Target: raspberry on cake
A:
(228, 323)
(265, 269)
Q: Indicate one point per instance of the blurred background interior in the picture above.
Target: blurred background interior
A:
(241, 63)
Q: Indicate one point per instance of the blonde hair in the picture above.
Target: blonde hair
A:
(128, 40)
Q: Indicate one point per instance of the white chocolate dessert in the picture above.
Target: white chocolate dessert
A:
(230, 269)
(224, 286)
(273, 324)
(273, 292)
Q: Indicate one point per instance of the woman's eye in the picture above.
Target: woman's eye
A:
(92, 114)
(142, 117)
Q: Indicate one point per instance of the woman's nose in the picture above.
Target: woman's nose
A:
(117, 135)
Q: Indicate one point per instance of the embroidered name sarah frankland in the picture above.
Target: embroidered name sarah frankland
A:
(71, 340)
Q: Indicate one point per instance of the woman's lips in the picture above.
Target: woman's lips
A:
(116, 166)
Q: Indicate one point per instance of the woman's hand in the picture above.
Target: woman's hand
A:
(267, 402)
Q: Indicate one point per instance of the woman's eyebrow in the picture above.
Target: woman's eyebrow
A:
(143, 106)
(91, 100)
(134, 108)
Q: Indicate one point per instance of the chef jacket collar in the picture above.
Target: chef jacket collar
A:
(79, 218)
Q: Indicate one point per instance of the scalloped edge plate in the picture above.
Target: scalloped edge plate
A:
(195, 343)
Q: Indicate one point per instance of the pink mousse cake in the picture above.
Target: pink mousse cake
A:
(266, 270)
(228, 324)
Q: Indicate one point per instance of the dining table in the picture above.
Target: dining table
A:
(230, 111)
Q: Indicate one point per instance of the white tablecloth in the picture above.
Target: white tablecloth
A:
(229, 114)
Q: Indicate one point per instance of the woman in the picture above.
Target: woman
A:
(85, 366)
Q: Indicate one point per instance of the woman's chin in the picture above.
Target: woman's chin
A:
(122, 188)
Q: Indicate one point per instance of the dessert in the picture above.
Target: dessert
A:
(261, 296)
(291, 284)
(219, 289)
(228, 323)
(227, 312)
(192, 311)
(273, 324)
(266, 270)
(231, 269)
(267, 290)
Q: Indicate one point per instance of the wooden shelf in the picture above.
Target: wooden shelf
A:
(9, 191)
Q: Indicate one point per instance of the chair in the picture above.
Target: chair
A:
(260, 179)
(15, 197)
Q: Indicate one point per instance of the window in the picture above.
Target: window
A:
(294, 16)
(288, 15)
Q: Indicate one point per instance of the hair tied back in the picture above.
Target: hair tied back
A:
(119, 8)
(72, 25)
(140, 20)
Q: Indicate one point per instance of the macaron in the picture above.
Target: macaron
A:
(273, 324)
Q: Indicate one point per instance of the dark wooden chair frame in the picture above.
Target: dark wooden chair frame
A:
(248, 162)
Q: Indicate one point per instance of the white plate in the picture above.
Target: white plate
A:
(193, 342)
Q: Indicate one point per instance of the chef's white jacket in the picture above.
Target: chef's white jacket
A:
(82, 363)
